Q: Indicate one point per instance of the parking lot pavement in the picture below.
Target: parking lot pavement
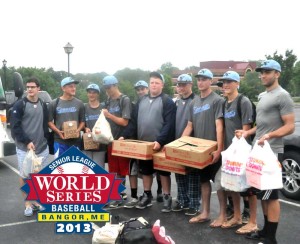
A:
(16, 228)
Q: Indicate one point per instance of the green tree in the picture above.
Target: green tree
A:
(287, 66)
(168, 68)
(251, 86)
(295, 82)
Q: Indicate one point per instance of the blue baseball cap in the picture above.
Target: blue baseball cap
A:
(205, 73)
(141, 83)
(184, 78)
(157, 75)
(93, 87)
(67, 81)
(269, 65)
(231, 75)
(110, 80)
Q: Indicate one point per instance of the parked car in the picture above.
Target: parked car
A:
(291, 165)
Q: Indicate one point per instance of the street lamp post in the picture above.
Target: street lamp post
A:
(4, 70)
(68, 49)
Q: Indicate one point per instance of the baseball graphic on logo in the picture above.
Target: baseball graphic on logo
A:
(72, 168)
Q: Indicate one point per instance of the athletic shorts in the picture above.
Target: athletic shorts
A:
(134, 167)
(209, 172)
(267, 195)
(249, 192)
(60, 148)
(21, 156)
(116, 164)
(97, 157)
(146, 168)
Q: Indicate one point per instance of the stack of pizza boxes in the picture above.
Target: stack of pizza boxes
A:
(176, 156)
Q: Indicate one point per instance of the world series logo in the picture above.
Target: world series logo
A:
(73, 190)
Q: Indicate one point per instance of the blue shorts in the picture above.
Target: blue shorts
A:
(59, 149)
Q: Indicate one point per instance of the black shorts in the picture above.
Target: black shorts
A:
(250, 192)
(146, 168)
(209, 172)
(133, 167)
(267, 195)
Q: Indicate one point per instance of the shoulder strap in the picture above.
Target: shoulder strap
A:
(54, 109)
(239, 101)
(121, 100)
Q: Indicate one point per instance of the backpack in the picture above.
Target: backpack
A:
(136, 230)
(239, 111)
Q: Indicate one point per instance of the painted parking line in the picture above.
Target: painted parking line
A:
(11, 167)
(18, 223)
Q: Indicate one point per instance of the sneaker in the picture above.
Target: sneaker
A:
(229, 212)
(123, 195)
(28, 211)
(159, 197)
(144, 202)
(114, 204)
(191, 212)
(37, 207)
(132, 203)
(245, 216)
(167, 204)
(179, 207)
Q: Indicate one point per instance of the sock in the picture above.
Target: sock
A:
(149, 194)
(271, 232)
(263, 232)
(246, 204)
(230, 202)
(159, 186)
(133, 192)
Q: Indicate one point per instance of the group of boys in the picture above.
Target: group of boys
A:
(156, 118)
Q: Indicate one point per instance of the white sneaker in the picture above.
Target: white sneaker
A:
(28, 211)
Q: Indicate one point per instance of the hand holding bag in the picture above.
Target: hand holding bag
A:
(101, 131)
(263, 170)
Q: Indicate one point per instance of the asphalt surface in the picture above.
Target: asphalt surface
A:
(16, 228)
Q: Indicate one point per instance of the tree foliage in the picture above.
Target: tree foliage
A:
(287, 66)
(295, 82)
(251, 86)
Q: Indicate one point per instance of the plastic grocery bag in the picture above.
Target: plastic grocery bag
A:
(107, 234)
(101, 131)
(31, 164)
(263, 170)
(233, 171)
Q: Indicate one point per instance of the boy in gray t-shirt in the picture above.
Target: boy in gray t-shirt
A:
(63, 109)
(206, 122)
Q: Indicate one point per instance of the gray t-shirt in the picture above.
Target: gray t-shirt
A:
(150, 118)
(203, 114)
(271, 106)
(67, 110)
(233, 121)
(91, 116)
(182, 114)
(32, 124)
(123, 110)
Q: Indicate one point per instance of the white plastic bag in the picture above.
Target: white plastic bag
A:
(234, 159)
(101, 131)
(31, 164)
(107, 234)
(263, 169)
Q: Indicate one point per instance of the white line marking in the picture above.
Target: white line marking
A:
(11, 167)
(290, 203)
(18, 223)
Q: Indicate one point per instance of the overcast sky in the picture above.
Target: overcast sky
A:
(109, 35)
